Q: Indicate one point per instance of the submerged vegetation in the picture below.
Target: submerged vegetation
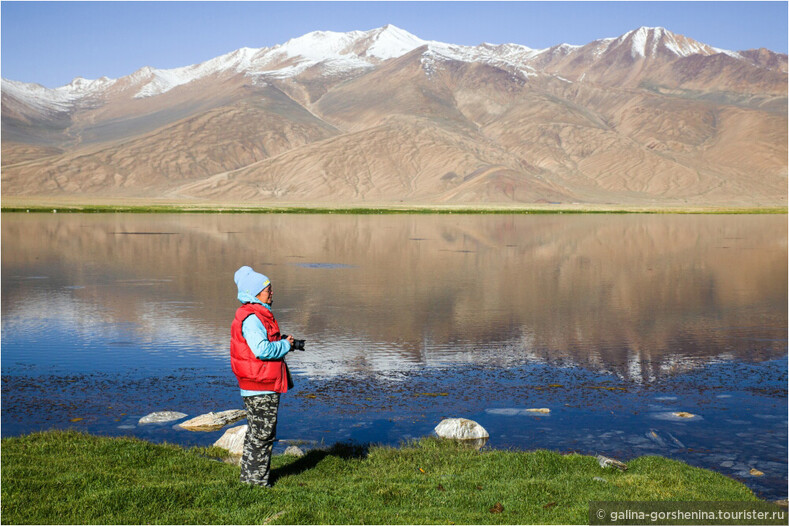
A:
(68, 477)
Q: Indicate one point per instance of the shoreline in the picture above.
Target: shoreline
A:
(131, 206)
(589, 415)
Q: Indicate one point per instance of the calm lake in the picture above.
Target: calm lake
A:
(613, 322)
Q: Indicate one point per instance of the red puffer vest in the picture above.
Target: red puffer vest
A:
(254, 374)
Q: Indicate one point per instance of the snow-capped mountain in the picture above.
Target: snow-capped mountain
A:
(340, 53)
(385, 115)
(377, 45)
(650, 41)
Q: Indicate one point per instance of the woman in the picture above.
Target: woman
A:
(257, 352)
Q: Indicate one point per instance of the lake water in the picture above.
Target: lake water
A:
(613, 322)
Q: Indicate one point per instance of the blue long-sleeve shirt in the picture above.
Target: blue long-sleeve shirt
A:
(255, 334)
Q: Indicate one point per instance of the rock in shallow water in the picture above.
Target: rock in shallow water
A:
(213, 421)
(677, 416)
(161, 417)
(664, 439)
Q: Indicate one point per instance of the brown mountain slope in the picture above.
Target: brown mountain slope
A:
(227, 137)
(402, 159)
(766, 58)
(399, 87)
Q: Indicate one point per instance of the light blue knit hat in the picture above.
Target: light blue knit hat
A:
(249, 281)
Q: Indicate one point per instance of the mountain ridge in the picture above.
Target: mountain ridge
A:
(303, 47)
(648, 117)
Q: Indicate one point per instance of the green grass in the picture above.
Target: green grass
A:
(68, 477)
(520, 209)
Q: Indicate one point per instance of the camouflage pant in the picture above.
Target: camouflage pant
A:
(259, 440)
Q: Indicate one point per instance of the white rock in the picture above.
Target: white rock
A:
(460, 429)
(606, 462)
(295, 451)
(233, 440)
(213, 421)
(160, 417)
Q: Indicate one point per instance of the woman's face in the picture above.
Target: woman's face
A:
(266, 295)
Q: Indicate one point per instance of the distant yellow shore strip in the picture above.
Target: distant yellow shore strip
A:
(69, 205)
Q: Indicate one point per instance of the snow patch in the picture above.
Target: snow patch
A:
(393, 42)
(509, 57)
(530, 73)
(638, 47)
(647, 40)
(59, 99)
(163, 80)
(319, 45)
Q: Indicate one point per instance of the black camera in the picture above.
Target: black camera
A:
(298, 345)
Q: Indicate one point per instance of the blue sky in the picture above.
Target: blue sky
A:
(53, 42)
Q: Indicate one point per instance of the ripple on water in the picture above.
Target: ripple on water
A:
(513, 411)
(324, 265)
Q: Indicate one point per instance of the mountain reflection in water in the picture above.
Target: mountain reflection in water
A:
(643, 296)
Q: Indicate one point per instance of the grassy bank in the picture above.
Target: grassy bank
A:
(69, 477)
